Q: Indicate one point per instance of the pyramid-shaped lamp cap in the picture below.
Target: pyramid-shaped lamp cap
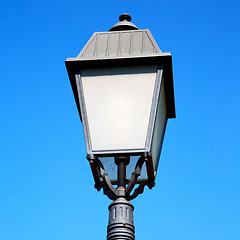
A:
(124, 24)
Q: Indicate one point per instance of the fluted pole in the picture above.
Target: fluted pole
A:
(120, 226)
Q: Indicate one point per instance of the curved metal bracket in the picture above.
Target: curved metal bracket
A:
(137, 191)
(99, 172)
(133, 181)
(135, 175)
(108, 188)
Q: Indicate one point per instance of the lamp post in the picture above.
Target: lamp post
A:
(123, 88)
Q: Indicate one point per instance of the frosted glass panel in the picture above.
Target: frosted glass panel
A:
(118, 103)
(160, 125)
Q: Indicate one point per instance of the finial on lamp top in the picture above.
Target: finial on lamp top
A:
(124, 24)
(125, 16)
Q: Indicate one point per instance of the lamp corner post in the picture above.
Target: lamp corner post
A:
(123, 87)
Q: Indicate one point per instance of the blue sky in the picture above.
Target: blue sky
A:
(46, 187)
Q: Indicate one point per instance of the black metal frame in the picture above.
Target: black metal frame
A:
(102, 180)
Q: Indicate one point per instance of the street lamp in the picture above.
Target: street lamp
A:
(123, 88)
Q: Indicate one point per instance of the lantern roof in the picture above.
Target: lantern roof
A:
(118, 44)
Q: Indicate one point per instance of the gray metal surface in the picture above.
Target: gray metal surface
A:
(120, 224)
(128, 43)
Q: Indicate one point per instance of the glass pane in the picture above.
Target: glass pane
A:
(118, 103)
(160, 125)
(111, 169)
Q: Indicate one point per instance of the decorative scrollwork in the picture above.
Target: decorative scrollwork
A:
(102, 180)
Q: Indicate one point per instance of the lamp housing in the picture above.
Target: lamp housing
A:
(123, 88)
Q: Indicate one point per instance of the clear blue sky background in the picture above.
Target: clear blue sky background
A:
(46, 187)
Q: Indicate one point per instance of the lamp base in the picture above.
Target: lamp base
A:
(120, 226)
